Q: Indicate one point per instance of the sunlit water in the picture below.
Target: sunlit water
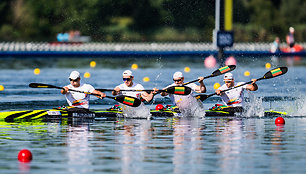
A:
(186, 145)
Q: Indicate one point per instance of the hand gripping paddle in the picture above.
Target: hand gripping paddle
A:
(127, 100)
(178, 90)
(218, 72)
(270, 74)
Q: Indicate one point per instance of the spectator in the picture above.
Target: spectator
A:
(290, 38)
(275, 47)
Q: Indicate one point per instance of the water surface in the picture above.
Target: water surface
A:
(185, 145)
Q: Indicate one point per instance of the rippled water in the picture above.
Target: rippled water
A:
(157, 146)
(208, 145)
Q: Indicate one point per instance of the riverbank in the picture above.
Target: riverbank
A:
(45, 49)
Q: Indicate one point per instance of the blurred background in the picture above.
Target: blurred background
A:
(148, 20)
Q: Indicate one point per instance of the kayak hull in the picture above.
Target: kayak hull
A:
(53, 114)
(57, 114)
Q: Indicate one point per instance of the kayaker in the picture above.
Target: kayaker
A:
(128, 84)
(186, 103)
(79, 101)
(234, 98)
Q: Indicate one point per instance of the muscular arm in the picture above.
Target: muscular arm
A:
(164, 93)
(116, 91)
(202, 87)
(149, 97)
(253, 86)
(102, 95)
(65, 90)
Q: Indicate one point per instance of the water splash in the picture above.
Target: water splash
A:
(195, 108)
(136, 112)
(255, 106)
(293, 106)
(300, 104)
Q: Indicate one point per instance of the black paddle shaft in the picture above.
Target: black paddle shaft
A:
(178, 90)
(131, 101)
(270, 74)
(218, 72)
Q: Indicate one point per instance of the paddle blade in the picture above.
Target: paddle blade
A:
(223, 70)
(178, 90)
(127, 100)
(275, 72)
(41, 85)
(202, 97)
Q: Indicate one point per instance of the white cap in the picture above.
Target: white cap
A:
(127, 73)
(177, 74)
(228, 76)
(74, 75)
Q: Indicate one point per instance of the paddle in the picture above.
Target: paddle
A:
(270, 74)
(130, 101)
(218, 72)
(178, 90)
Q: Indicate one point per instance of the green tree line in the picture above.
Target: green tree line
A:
(148, 20)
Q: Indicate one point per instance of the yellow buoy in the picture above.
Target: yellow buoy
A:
(247, 73)
(1, 88)
(146, 79)
(268, 65)
(217, 85)
(87, 75)
(93, 64)
(36, 71)
(134, 66)
(187, 69)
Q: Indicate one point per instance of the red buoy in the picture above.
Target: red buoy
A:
(25, 156)
(279, 121)
(159, 107)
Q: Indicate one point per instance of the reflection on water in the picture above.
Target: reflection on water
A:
(78, 149)
(277, 145)
(24, 168)
(173, 145)
(229, 138)
(188, 144)
(135, 138)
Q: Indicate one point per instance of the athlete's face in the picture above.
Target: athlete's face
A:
(178, 81)
(75, 83)
(128, 80)
(229, 82)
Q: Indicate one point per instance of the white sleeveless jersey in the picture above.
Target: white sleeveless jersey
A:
(77, 99)
(135, 86)
(183, 101)
(233, 97)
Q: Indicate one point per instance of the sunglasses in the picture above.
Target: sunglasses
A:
(126, 79)
(177, 80)
(227, 81)
(75, 80)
